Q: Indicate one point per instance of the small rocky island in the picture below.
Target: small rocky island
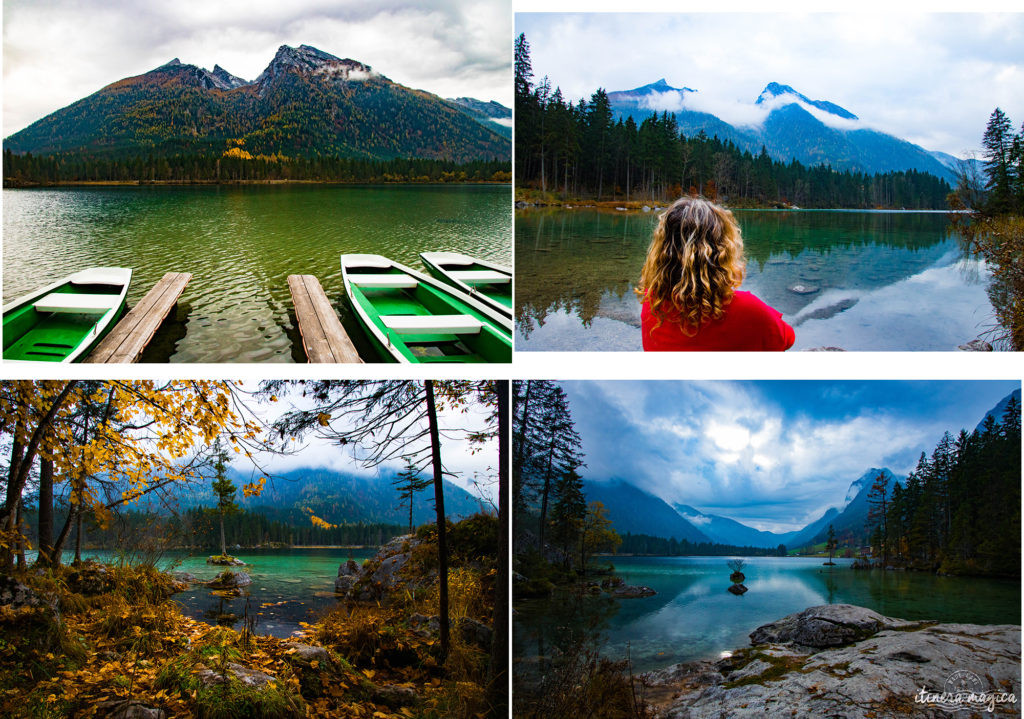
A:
(841, 660)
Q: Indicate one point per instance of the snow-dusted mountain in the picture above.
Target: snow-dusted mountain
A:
(789, 125)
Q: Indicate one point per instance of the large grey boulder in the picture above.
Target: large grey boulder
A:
(880, 673)
(348, 575)
(307, 654)
(828, 625)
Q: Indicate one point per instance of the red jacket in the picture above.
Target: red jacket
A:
(748, 324)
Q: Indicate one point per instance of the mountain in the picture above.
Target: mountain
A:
(632, 510)
(305, 103)
(794, 127)
(492, 115)
(341, 497)
(723, 530)
(852, 520)
(999, 410)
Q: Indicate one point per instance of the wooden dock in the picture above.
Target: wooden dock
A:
(323, 336)
(130, 336)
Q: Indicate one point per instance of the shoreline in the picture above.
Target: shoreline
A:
(218, 183)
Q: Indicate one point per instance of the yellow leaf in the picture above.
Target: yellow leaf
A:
(369, 673)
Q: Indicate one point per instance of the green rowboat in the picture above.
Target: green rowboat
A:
(62, 322)
(413, 317)
(486, 281)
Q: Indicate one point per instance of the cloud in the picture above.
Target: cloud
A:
(59, 51)
(774, 455)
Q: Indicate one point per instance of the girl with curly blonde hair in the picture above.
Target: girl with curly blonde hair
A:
(689, 286)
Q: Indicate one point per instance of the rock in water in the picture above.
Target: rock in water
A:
(800, 289)
(978, 345)
(231, 580)
(738, 589)
(627, 591)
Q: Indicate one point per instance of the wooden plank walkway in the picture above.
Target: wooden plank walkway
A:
(130, 336)
(323, 336)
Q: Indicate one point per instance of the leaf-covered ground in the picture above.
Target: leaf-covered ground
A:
(100, 635)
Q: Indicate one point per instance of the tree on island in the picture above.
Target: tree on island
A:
(831, 544)
(224, 490)
(736, 565)
(408, 482)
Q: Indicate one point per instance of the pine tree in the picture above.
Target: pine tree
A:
(224, 489)
(408, 482)
(998, 144)
(878, 498)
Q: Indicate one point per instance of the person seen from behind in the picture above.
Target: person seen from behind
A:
(689, 286)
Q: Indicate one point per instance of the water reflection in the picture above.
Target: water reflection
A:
(693, 616)
(860, 275)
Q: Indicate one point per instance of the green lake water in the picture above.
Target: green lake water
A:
(299, 583)
(240, 243)
(879, 280)
(693, 616)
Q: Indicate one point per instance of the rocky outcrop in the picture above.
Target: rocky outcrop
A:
(225, 560)
(381, 575)
(846, 661)
(738, 589)
(348, 575)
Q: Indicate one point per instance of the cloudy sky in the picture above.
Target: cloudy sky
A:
(59, 51)
(466, 462)
(773, 455)
(931, 79)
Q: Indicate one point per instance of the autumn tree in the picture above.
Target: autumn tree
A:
(597, 534)
(107, 444)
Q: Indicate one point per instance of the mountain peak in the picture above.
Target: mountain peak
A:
(308, 60)
(226, 79)
(865, 481)
(775, 89)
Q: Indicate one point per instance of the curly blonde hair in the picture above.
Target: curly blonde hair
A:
(694, 264)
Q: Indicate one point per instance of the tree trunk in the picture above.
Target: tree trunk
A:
(442, 539)
(21, 535)
(497, 674)
(78, 536)
(45, 511)
(223, 544)
(544, 497)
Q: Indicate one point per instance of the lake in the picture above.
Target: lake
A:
(297, 583)
(877, 280)
(240, 243)
(693, 616)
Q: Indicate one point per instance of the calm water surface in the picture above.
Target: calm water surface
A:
(877, 280)
(693, 616)
(240, 243)
(299, 583)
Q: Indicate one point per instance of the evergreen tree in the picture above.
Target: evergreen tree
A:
(878, 498)
(568, 512)
(831, 544)
(224, 489)
(408, 482)
(998, 144)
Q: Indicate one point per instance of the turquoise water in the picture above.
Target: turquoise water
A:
(299, 583)
(693, 616)
(870, 280)
(240, 243)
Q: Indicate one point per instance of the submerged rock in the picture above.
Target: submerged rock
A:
(844, 661)
(231, 580)
(627, 591)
